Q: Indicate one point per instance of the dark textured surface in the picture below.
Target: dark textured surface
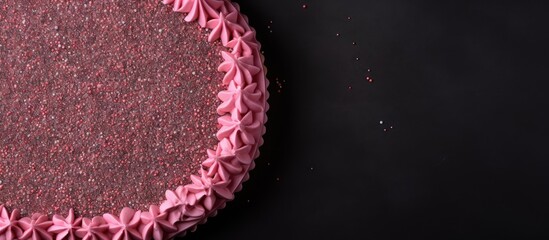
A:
(464, 86)
(102, 104)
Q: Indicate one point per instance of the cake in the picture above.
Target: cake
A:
(125, 119)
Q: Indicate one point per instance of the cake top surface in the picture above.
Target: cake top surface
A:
(110, 105)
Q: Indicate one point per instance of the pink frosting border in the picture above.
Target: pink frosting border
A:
(242, 119)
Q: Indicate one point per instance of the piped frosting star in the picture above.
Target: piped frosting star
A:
(93, 229)
(65, 228)
(224, 27)
(9, 229)
(220, 164)
(241, 152)
(208, 188)
(197, 9)
(241, 99)
(243, 45)
(180, 205)
(229, 7)
(155, 224)
(240, 130)
(125, 226)
(35, 227)
(238, 69)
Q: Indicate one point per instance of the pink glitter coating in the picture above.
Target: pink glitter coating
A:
(96, 124)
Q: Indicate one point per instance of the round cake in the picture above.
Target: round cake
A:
(125, 119)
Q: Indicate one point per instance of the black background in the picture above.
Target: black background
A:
(464, 85)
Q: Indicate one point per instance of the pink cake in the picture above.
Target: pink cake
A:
(125, 119)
